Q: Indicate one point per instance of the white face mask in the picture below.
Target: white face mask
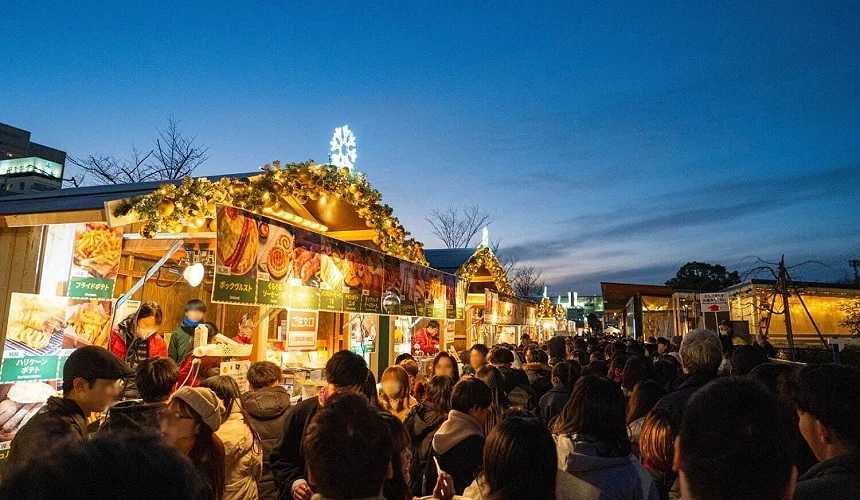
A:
(391, 388)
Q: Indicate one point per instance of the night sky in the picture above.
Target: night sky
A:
(609, 143)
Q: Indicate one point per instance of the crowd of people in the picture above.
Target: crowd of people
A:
(574, 418)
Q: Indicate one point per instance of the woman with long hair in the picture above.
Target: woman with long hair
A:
(520, 463)
(395, 396)
(242, 447)
(421, 424)
(188, 424)
(445, 364)
(593, 445)
(397, 486)
(644, 396)
(494, 379)
(657, 449)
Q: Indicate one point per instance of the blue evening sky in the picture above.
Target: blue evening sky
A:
(609, 143)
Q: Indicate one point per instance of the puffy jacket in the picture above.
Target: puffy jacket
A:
(133, 415)
(243, 457)
(676, 402)
(422, 424)
(267, 410)
(838, 477)
(123, 334)
(617, 477)
(58, 422)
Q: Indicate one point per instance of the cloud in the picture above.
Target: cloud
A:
(691, 207)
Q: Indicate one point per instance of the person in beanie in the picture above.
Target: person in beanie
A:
(243, 453)
(188, 424)
(345, 372)
(266, 404)
(90, 384)
(182, 339)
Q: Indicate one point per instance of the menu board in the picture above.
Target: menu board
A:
(95, 261)
(450, 296)
(506, 310)
(264, 261)
(41, 333)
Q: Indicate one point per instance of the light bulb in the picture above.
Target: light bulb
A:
(194, 273)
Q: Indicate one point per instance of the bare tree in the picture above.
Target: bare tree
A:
(173, 156)
(508, 262)
(527, 281)
(457, 228)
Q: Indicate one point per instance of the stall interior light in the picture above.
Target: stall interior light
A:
(194, 274)
(296, 219)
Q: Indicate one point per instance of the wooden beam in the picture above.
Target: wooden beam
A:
(482, 279)
(300, 209)
(353, 235)
(72, 217)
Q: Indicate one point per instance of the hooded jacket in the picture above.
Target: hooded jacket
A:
(421, 425)
(267, 410)
(459, 445)
(617, 477)
(243, 457)
(58, 422)
(567, 487)
(133, 415)
(837, 477)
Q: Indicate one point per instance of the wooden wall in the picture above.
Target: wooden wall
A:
(20, 249)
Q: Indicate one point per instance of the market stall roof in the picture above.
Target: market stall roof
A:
(803, 285)
(616, 295)
(449, 260)
(478, 266)
(22, 210)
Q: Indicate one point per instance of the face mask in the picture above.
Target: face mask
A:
(391, 389)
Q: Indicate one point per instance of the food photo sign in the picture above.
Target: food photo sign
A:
(95, 262)
(40, 334)
(265, 261)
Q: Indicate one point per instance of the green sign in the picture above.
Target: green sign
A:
(370, 304)
(237, 289)
(438, 310)
(304, 297)
(91, 288)
(331, 300)
(272, 293)
(352, 302)
(31, 368)
(450, 311)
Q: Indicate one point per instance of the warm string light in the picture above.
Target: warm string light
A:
(484, 258)
(191, 204)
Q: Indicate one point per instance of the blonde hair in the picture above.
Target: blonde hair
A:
(398, 373)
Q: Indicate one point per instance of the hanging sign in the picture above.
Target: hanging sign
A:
(714, 302)
(302, 329)
(238, 370)
(95, 261)
(264, 261)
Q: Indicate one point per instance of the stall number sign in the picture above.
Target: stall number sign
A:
(714, 302)
(302, 329)
(238, 370)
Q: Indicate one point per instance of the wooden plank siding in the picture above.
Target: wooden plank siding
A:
(20, 260)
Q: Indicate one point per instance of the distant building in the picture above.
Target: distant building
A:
(26, 166)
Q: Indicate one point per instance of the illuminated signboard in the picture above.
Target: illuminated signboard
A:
(31, 165)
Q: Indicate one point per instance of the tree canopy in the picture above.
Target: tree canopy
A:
(703, 277)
